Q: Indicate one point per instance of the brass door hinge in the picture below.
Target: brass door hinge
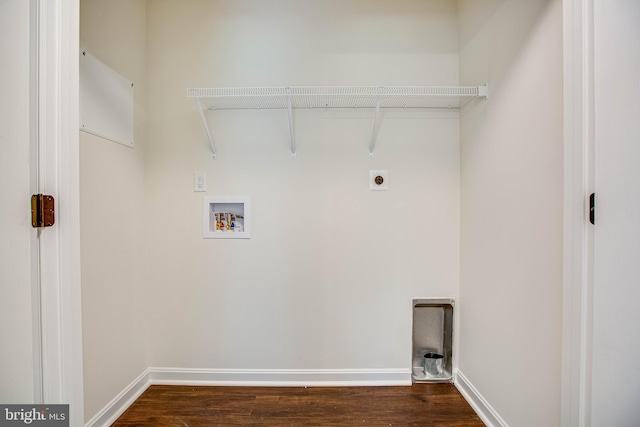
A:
(43, 211)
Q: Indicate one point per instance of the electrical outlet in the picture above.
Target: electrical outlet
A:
(379, 180)
(199, 181)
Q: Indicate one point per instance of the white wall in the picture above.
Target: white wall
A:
(511, 199)
(616, 338)
(112, 210)
(17, 324)
(327, 278)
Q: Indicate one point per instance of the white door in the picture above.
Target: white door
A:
(19, 335)
(616, 292)
(40, 330)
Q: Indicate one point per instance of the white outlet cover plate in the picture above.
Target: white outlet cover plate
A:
(199, 181)
(372, 180)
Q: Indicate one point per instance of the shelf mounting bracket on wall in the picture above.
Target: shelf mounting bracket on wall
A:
(374, 132)
(206, 129)
(293, 138)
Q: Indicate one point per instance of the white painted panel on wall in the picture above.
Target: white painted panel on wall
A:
(106, 101)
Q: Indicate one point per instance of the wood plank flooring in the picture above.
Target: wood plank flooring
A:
(418, 405)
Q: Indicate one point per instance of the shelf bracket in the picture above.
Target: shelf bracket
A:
(483, 91)
(374, 132)
(206, 128)
(293, 138)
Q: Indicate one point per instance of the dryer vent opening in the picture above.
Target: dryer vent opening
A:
(432, 349)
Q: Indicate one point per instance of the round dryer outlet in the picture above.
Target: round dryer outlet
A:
(378, 180)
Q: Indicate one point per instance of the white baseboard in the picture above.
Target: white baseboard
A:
(247, 377)
(479, 404)
(280, 377)
(110, 413)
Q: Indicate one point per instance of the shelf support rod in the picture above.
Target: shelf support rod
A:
(293, 138)
(374, 132)
(206, 129)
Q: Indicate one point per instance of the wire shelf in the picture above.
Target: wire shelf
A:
(289, 98)
(335, 97)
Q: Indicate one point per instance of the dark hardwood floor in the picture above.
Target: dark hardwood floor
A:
(418, 405)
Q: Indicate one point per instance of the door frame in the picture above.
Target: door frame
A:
(55, 32)
(579, 171)
(58, 44)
